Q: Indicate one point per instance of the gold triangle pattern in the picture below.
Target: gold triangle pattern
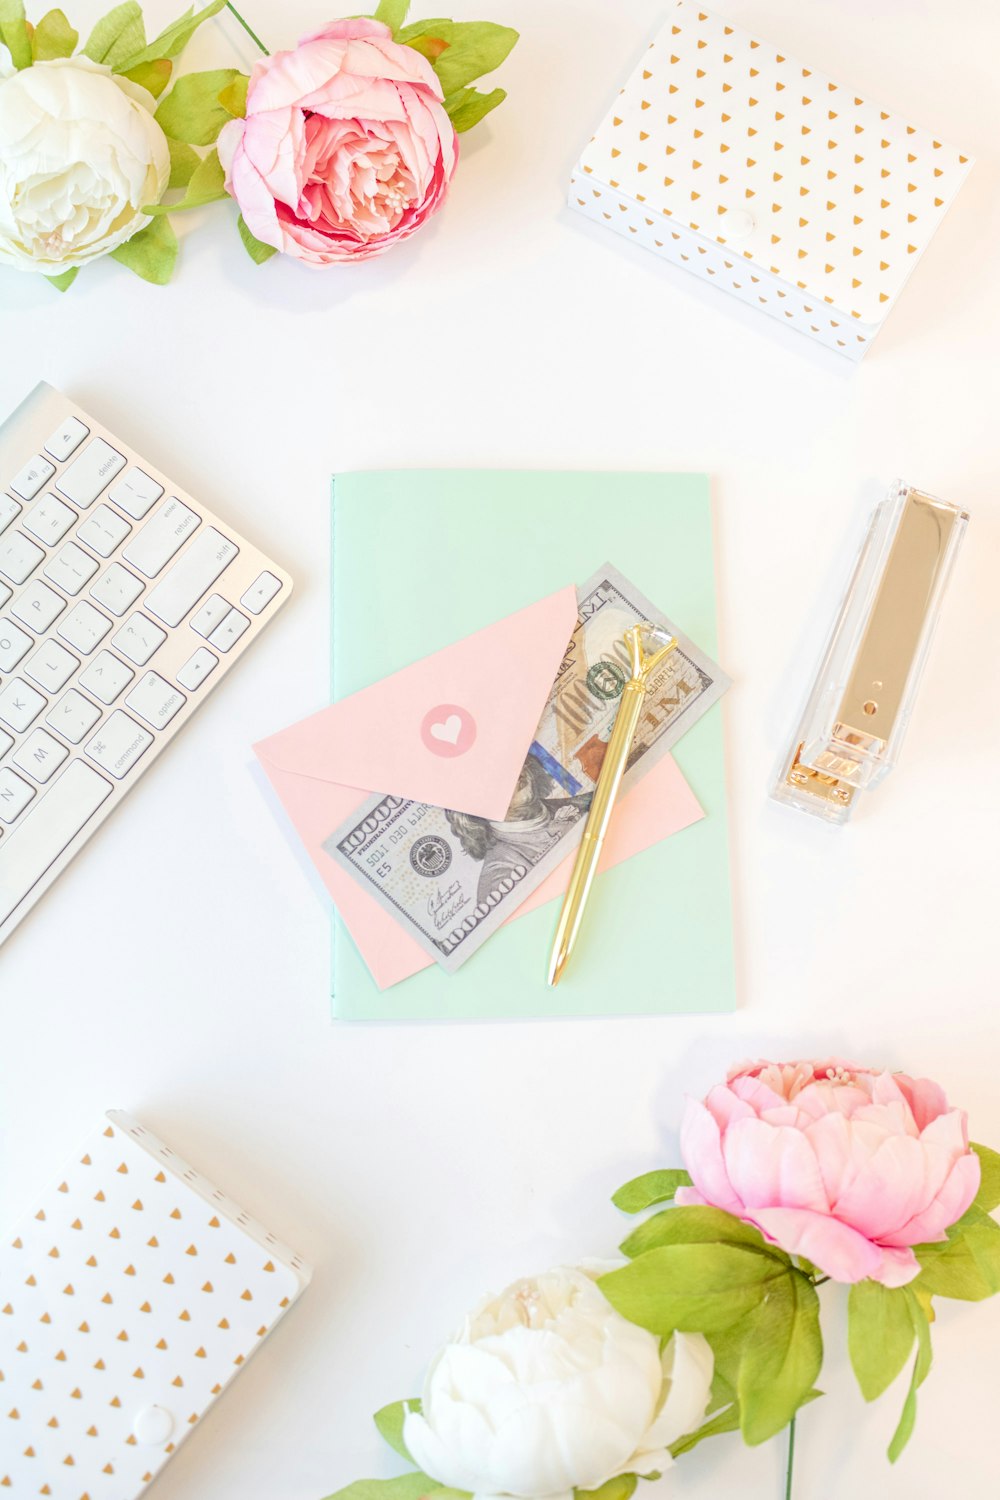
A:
(706, 90)
(110, 1361)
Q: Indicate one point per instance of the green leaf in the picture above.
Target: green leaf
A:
(697, 1225)
(206, 184)
(622, 1487)
(473, 48)
(255, 248)
(389, 1422)
(233, 97)
(152, 76)
(404, 1487)
(191, 112)
(967, 1267)
(392, 13)
(65, 281)
(420, 28)
(988, 1196)
(171, 42)
(652, 1187)
(184, 162)
(781, 1358)
(53, 37)
(723, 1421)
(468, 106)
(879, 1335)
(921, 1369)
(151, 254)
(697, 1288)
(14, 32)
(117, 36)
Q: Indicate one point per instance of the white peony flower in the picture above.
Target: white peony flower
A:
(80, 157)
(547, 1388)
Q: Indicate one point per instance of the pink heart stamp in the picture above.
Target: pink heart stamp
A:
(448, 730)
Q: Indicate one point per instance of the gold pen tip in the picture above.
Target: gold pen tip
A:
(557, 966)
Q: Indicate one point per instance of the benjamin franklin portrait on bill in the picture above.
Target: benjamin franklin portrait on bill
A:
(535, 821)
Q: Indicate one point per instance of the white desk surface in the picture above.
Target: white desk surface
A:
(179, 969)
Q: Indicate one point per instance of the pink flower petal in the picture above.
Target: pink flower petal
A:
(926, 1099)
(950, 1131)
(897, 1268)
(769, 1165)
(724, 1106)
(839, 1251)
(701, 1150)
(955, 1196)
(893, 1186)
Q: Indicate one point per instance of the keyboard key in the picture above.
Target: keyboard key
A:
(135, 493)
(117, 589)
(15, 794)
(103, 530)
(106, 677)
(5, 593)
(164, 534)
(9, 511)
(71, 568)
(37, 606)
(18, 556)
(84, 627)
(154, 700)
(20, 705)
(51, 667)
(91, 473)
(212, 613)
(49, 520)
(13, 645)
(40, 756)
(138, 639)
(51, 825)
(180, 589)
(73, 716)
(36, 472)
(225, 636)
(66, 439)
(119, 744)
(260, 593)
(5, 742)
(196, 669)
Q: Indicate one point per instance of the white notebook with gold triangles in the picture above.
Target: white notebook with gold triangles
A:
(130, 1296)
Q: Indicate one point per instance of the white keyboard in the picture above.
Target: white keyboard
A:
(123, 602)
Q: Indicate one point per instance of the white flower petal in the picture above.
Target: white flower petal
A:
(547, 1389)
(688, 1367)
(81, 156)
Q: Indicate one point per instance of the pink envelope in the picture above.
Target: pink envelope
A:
(452, 730)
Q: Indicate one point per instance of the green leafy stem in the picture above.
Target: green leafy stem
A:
(193, 111)
(701, 1270)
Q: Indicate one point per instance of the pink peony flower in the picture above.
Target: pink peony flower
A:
(843, 1165)
(345, 148)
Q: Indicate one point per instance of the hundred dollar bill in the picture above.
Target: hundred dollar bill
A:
(451, 878)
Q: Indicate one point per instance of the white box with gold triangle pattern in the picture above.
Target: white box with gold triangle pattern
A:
(129, 1298)
(727, 157)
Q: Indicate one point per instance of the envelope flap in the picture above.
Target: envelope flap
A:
(453, 729)
(796, 174)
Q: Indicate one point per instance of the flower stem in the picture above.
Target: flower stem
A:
(790, 1463)
(248, 29)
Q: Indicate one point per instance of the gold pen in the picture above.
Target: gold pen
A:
(606, 791)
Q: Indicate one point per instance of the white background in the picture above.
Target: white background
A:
(180, 968)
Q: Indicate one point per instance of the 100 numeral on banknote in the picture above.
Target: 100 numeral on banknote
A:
(451, 878)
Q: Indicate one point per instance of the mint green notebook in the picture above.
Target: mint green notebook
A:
(422, 558)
